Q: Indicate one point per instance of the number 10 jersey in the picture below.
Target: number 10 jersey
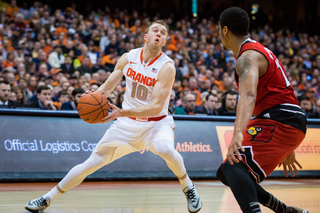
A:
(141, 78)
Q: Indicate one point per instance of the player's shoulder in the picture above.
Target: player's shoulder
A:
(250, 55)
(168, 66)
(167, 70)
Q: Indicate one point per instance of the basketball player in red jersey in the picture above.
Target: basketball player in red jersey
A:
(279, 126)
(141, 123)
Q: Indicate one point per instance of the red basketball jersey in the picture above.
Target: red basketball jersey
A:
(273, 87)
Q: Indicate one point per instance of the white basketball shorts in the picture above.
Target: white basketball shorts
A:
(126, 136)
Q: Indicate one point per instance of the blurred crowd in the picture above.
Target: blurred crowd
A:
(49, 58)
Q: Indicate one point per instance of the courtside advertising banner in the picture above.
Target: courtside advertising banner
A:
(37, 144)
(50, 144)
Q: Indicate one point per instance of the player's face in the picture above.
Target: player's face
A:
(157, 35)
(222, 36)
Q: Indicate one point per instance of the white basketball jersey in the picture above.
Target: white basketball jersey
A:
(141, 78)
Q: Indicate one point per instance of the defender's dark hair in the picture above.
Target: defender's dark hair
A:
(236, 19)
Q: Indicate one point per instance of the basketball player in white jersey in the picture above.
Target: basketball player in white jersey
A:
(142, 123)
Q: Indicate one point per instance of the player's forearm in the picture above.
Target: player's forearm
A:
(244, 113)
(149, 110)
(106, 89)
(108, 86)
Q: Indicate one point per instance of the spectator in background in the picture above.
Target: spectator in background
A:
(193, 86)
(209, 107)
(23, 85)
(35, 97)
(4, 96)
(190, 104)
(95, 86)
(173, 109)
(109, 60)
(72, 105)
(316, 113)
(12, 96)
(48, 80)
(10, 77)
(10, 60)
(32, 85)
(312, 94)
(63, 97)
(91, 53)
(56, 58)
(112, 98)
(113, 46)
(15, 38)
(120, 99)
(229, 103)
(85, 66)
(305, 104)
(36, 49)
(43, 71)
(182, 94)
(20, 95)
(99, 65)
(12, 8)
(67, 67)
(1, 63)
(44, 101)
(70, 89)
(42, 58)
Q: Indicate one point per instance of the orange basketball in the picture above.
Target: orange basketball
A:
(92, 107)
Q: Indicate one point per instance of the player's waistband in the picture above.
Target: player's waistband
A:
(289, 114)
(147, 119)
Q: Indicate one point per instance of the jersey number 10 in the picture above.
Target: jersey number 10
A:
(141, 92)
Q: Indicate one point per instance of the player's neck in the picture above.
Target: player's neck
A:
(150, 54)
(236, 44)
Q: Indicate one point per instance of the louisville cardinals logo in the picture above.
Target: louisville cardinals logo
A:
(261, 133)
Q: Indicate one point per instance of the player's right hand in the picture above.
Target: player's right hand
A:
(233, 154)
(115, 113)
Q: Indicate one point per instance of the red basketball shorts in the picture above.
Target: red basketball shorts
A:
(267, 143)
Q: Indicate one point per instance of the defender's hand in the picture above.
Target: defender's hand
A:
(233, 148)
(290, 162)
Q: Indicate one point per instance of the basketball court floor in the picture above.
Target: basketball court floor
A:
(153, 196)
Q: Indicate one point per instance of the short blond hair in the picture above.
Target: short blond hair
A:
(158, 22)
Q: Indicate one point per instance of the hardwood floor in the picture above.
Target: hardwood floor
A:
(153, 196)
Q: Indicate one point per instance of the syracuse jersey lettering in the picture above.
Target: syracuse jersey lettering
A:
(142, 79)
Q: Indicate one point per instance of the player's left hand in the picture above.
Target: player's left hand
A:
(233, 150)
(290, 162)
(116, 113)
